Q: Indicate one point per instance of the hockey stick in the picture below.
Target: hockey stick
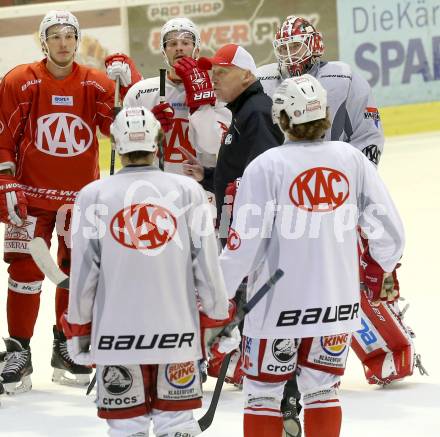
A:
(116, 109)
(162, 78)
(206, 420)
(43, 259)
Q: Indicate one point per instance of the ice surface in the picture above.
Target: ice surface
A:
(411, 168)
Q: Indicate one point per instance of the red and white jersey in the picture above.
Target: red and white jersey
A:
(353, 111)
(297, 208)
(48, 130)
(142, 243)
(200, 133)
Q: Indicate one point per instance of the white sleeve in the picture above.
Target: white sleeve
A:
(85, 259)
(379, 219)
(208, 277)
(362, 110)
(251, 226)
(207, 126)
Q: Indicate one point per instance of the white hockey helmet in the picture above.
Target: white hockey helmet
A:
(58, 17)
(179, 24)
(135, 129)
(303, 98)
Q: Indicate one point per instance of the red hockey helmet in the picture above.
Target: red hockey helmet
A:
(297, 45)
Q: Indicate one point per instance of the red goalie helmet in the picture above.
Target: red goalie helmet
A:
(297, 45)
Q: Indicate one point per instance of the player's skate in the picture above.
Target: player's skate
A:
(16, 373)
(65, 371)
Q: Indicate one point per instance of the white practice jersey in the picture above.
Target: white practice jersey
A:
(353, 112)
(137, 258)
(200, 133)
(321, 191)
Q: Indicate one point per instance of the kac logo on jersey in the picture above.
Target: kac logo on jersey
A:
(373, 114)
(63, 135)
(62, 100)
(181, 375)
(283, 350)
(334, 345)
(319, 189)
(234, 240)
(372, 152)
(143, 226)
(117, 380)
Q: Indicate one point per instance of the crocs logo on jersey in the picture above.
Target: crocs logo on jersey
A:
(234, 240)
(143, 226)
(335, 345)
(319, 189)
(117, 380)
(63, 135)
(181, 375)
(283, 350)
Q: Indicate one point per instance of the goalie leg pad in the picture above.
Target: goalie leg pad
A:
(384, 343)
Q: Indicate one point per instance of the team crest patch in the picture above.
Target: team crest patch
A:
(335, 345)
(180, 375)
(117, 380)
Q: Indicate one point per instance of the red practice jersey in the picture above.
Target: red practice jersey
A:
(48, 129)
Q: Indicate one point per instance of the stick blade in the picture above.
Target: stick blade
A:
(42, 257)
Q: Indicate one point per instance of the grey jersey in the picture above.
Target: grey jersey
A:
(353, 112)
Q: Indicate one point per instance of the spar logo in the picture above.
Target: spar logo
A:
(63, 135)
(178, 137)
(181, 375)
(143, 226)
(319, 189)
(334, 345)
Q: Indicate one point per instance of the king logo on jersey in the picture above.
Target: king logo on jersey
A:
(63, 135)
(319, 189)
(143, 226)
(334, 345)
(181, 375)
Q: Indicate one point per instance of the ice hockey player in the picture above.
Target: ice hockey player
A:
(190, 115)
(384, 344)
(131, 230)
(48, 151)
(297, 208)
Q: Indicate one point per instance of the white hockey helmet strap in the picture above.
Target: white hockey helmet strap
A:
(303, 98)
(135, 129)
(183, 25)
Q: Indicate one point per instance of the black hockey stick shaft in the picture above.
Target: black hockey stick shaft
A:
(206, 420)
(162, 78)
(116, 109)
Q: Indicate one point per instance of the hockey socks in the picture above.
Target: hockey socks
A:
(322, 422)
(262, 426)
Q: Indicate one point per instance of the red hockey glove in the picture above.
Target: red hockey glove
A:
(164, 114)
(198, 86)
(123, 66)
(78, 341)
(13, 203)
(211, 328)
(230, 193)
(380, 284)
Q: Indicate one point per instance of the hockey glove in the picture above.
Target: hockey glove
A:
(380, 284)
(123, 66)
(212, 330)
(197, 83)
(13, 203)
(78, 341)
(164, 114)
